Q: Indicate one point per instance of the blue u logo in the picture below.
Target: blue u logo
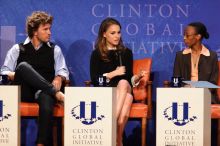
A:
(83, 109)
(87, 117)
(173, 113)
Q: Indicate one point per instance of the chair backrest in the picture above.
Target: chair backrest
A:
(140, 92)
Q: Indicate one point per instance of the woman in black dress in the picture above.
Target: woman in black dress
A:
(114, 61)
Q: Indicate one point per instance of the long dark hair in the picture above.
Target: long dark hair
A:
(200, 29)
(101, 41)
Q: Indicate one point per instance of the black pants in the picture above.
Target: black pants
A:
(31, 81)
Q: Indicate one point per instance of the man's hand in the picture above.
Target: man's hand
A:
(11, 76)
(57, 82)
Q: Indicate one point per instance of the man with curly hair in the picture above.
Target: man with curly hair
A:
(39, 67)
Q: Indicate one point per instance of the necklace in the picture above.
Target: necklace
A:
(195, 55)
(195, 59)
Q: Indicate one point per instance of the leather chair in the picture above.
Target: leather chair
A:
(30, 110)
(142, 108)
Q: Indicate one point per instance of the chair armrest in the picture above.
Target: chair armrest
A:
(166, 83)
(88, 83)
(149, 99)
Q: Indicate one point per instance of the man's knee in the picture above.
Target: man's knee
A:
(22, 66)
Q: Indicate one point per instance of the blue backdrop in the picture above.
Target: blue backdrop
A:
(149, 28)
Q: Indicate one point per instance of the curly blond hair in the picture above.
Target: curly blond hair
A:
(35, 20)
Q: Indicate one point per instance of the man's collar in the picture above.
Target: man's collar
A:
(28, 40)
(204, 51)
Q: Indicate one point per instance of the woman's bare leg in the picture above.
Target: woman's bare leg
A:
(124, 101)
(122, 89)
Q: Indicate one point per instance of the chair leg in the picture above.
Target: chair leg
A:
(218, 134)
(59, 131)
(55, 132)
(143, 131)
(62, 131)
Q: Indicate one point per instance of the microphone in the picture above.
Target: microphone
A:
(119, 57)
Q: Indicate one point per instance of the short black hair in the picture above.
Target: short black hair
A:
(200, 29)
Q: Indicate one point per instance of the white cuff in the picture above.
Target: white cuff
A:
(107, 79)
(132, 81)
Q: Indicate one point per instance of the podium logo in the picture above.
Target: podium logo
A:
(2, 116)
(179, 114)
(87, 113)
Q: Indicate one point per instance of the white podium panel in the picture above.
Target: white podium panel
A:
(183, 117)
(90, 117)
(9, 116)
